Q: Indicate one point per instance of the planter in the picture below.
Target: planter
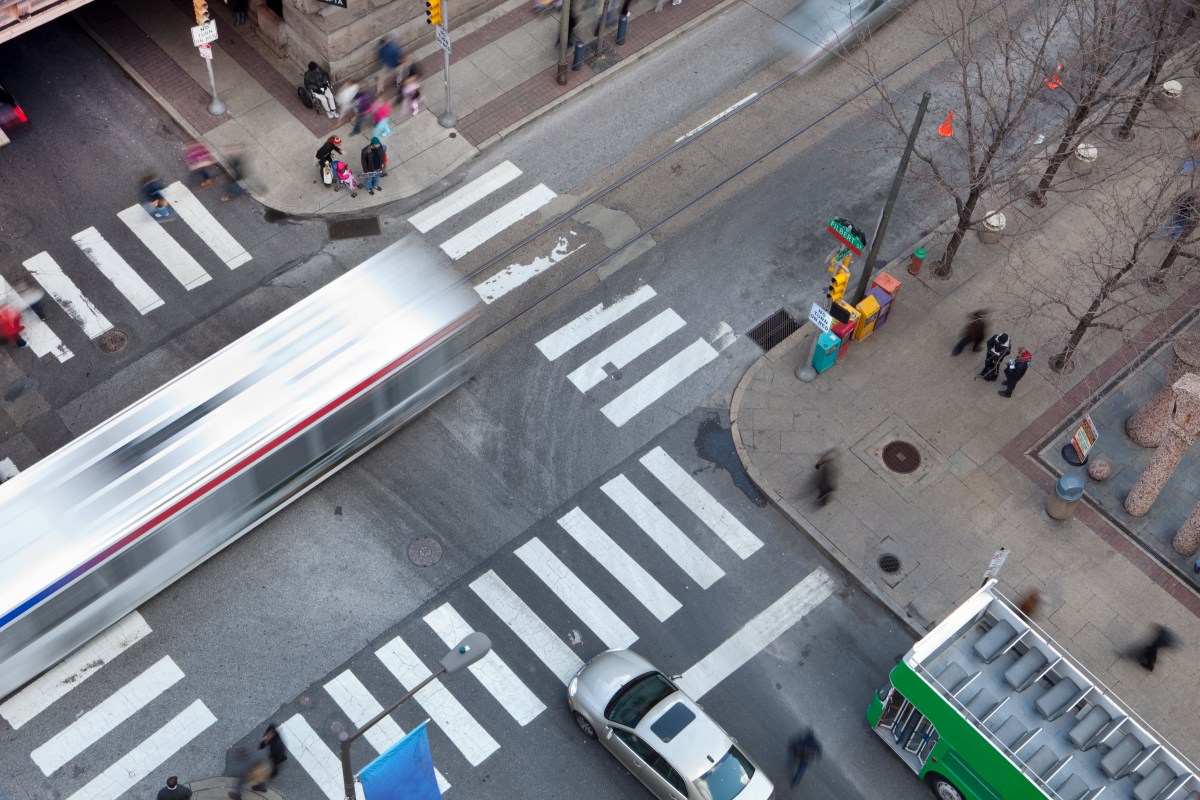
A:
(1084, 158)
(993, 227)
(1168, 95)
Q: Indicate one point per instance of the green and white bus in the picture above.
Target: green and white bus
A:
(988, 707)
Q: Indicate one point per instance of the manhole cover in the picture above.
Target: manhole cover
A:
(774, 329)
(425, 551)
(112, 342)
(901, 457)
(889, 563)
(354, 228)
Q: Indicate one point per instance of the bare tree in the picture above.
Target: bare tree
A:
(1169, 23)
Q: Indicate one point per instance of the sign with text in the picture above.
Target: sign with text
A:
(847, 234)
(820, 317)
(443, 36)
(206, 51)
(1085, 437)
(338, 3)
(203, 34)
(996, 563)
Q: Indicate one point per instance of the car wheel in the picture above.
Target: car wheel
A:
(584, 725)
(944, 789)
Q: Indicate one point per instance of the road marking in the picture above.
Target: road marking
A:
(724, 524)
(591, 322)
(475, 743)
(147, 756)
(629, 347)
(515, 275)
(528, 627)
(73, 670)
(622, 566)
(766, 627)
(667, 376)
(491, 671)
(575, 594)
(362, 707)
(117, 270)
(664, 533)
(318, 760)
(507, 215)
(56, 283)
(205, 225)
(718, 117)
(87, 729)
(178, 261)
(431, 216)
(42, 340)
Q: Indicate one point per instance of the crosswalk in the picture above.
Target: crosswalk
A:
(109, 250)
(532, 659)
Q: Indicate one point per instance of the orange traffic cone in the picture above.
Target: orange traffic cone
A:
(947, 127)
(1053, 82)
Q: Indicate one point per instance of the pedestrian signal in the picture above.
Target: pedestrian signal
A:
(433, 12)
(837, 285)
(201, 9)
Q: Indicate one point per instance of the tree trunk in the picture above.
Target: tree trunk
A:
(1062, 361)
(945, 265)
(1126, 131)
(1038, 196)
(1157, 282)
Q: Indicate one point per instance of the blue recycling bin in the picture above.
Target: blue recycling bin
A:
(827, 351)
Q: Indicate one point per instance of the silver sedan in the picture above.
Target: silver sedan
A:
(816, 29)
(659, 733)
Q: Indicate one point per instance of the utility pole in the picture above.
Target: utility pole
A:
(564, 33)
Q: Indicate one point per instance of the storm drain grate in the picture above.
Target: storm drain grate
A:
(774, 329)
(354, 228)
(901, 457)
(425, 551)
(889, 563)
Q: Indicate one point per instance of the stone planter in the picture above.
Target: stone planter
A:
(993, 227)
(1084, 158)
(1168, 95)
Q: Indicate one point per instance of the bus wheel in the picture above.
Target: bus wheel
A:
(944, 789)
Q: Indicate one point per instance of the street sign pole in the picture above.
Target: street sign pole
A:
(205, 34)
(821, 320)
(442, 34)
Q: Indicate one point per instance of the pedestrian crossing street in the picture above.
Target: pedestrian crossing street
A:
(589, 591)
(59, 275)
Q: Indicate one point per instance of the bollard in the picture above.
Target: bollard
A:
(918, 258)
(578, 62)
(993, 226)
(622, 27)
(1085, 158)
(1168, 95)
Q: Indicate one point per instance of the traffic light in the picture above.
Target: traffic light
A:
(201, 9)
(433, 12)
(837, 285)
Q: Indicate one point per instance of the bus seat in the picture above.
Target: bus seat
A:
(1120, 756)
(952, 676)
(1088, 726)
(1043, 761)
(1150, 786)
(1011, 732)
(995, 642)
(1073, 788)
(982, 704)
(1021, 674)
(1062, 696)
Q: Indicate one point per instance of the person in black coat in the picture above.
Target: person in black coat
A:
(1015, 370)
(174, 791)
(238, 7)
(998, 348)
(274, 746)
(374, 159)
(973, 333)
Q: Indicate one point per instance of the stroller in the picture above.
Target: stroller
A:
(344, 176)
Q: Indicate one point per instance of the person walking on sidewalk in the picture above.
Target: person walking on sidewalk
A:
(273, 744)
(826, 479)
(363, 101)
(391, 56)
(410, 90)
(998, 348)
(374, 156)
(973, 333)
(174, 791)
(1163, 638)
(381, 111)
(11, 325)
(805, 750)
(238, 7)
(1015, 370)
(251, 768)
(199, 161)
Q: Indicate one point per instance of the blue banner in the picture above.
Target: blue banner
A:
(404, 772)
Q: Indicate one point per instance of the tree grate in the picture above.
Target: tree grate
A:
(354, 228)
(774, 329)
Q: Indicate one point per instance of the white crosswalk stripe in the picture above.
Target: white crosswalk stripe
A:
(626, 349)
(49, 274)
(205, 225)
(151, 233)
(452, 204)
(516, 275)
(665, 377)
(504, 217)
(117, 269)
(591, 322)
(315, 757)
(527, 625)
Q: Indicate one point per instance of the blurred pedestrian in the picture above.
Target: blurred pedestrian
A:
(998, 348)
(363, 100)
(1015, 370)
(1164, 638)
(1196, 566)
(273, 743)
(11, 325)
(973, 333)
(156, 205)
(827, 475)
(199, 161)
(1030, 601)
(345, 99)
(32, 297)
(238, 7)
(410, 90)
(235, 169)
(391, 56)
(251, 768)
(805, 750)
(174, 790)
(374, 156)
(381, 111)
(316, 81)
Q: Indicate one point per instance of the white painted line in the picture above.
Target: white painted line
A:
(491, 671)
(205, 225)
(56, 283)
(722, 337)
(433, 215)
(87, 729)
(42, 340)
(475, 743)
(509, 214)
(622, 352)
(664, 533)
(636, 398)
(581, 600)
(718, 117)
(622, 566)
(318, 760)
(757, 634)
(178, 261)
(528, 627)
(361, 707)
(117, 270)
(724, 524)
(591, 322)
(515, 275)
(73, 670)
(149, 755)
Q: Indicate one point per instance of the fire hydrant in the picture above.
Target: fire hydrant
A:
(918, 258)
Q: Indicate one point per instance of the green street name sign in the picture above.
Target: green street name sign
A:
(847, 234)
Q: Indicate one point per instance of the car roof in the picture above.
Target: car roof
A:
(696, 747)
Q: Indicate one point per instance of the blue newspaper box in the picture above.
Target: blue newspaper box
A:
(827, 351)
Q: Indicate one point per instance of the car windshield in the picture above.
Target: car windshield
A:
(637, 697)
(727, 778)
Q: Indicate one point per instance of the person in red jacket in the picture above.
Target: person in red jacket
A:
(10, 325)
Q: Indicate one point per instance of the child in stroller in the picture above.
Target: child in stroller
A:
(344, 177)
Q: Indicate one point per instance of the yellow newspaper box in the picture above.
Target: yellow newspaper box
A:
(868, 312)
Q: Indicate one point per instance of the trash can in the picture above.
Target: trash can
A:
(1060, 504)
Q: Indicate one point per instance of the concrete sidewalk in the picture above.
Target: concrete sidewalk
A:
(983, 475)
(503, 75)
